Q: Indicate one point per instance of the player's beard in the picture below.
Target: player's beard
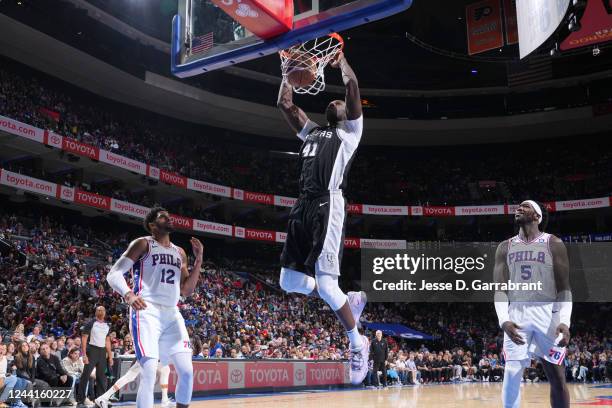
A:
(165, 228)
(523, 220)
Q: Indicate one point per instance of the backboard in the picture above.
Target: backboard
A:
(205, 38)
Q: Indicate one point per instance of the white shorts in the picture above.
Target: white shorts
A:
(159, 332)
(538, 326)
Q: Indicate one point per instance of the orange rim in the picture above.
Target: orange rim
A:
(335, 36)
(339, 38)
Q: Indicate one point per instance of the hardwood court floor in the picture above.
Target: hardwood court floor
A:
(465, 395)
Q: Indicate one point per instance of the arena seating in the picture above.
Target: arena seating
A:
(243, 315)
(462, 175)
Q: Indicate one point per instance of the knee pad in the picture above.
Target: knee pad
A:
(148, 369)
(184, 371)
(511, 388)
(330, 292)
(294, 281)
(144, 398)
(514, 367)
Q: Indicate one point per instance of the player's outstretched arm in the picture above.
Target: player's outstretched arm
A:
(564, 294)
(189, 281)
(293, 115)
(500, 275)
(115, 277)
(353, 96)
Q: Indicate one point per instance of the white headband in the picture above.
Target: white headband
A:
(536, 208)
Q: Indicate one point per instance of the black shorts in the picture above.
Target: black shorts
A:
(315, 235)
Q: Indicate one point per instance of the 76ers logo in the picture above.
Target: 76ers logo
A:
(187, 344)
(554, 354)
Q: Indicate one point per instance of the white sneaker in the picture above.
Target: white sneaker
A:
(357, 301)
(168, 403)
(359, 362)
(99, 402)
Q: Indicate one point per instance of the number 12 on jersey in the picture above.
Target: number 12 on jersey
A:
(167, 276)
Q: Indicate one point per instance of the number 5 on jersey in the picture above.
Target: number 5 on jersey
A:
(526, 272)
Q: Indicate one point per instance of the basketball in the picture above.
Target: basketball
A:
(300, 77)
(301, 69)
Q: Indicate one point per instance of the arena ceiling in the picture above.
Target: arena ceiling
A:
(422, 48)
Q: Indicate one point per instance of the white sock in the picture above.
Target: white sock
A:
(164, 390)
(164, 374)
(355, 338)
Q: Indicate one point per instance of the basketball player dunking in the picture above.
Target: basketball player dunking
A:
(534, 323)
(315, 233)
(160, 275)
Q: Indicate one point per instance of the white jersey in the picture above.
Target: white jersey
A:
(157, 274)
(531, 262)
(533, 310)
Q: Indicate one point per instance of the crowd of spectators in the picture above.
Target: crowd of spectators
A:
(559, 169)
(52, 278)
(420, 366)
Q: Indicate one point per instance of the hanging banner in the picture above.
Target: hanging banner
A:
(484, 26)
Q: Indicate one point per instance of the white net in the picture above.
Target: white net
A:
(313, 55)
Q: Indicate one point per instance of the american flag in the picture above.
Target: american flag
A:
(202, 43)
(535, 68)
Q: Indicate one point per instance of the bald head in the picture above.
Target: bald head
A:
(100, 312)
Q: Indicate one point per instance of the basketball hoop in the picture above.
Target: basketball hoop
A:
(304, 64)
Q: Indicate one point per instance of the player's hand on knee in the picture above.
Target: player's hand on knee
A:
(511, 330)
(563, 330)
(137, 302)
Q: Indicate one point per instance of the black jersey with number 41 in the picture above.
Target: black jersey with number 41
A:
(326, 155)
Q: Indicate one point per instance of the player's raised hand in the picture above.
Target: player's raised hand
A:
(198, 247)
(335, 62)
(137, 302)
(563, 330)
(511, 330)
